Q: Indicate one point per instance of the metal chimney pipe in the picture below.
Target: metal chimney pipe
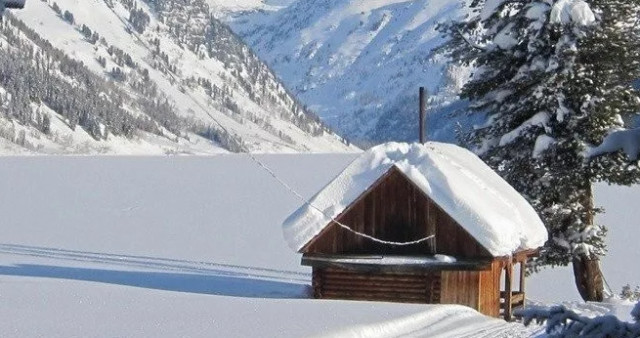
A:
(422, 116)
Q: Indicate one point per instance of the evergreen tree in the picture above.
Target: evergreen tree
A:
(139, 19)
(553, 78)
(68, 17)
(56, 8)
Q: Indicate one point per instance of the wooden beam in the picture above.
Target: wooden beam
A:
(375, 298)
(356, 264)
(520, 256)
(523, 269)
(388, 288)
(523, 256)
(423, 139)
(508, 309)
(373, 279)
(316, 283)
(517, 298)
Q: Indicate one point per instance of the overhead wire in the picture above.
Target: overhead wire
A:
(274, 175)
(331, 218)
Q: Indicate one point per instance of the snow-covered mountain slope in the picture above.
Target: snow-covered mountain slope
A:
(359, 63)
(225, 8)
(169, 64)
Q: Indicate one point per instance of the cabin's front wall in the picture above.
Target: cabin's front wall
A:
(479, 290)
(394, 209)
(408, 287)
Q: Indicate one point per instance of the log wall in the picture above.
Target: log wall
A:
(479, 290)
(333, 283)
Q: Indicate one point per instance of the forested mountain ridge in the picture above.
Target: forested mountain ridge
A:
(359, 63)
(157, 76)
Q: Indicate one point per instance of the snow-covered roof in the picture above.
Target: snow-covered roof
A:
(487, 207)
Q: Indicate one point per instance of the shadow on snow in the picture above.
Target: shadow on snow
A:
(173, 275)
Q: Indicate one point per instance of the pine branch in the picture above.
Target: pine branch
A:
(562, 322)
(469, 42)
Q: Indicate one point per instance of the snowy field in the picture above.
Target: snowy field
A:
(177, 246)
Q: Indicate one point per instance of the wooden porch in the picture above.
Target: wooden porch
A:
(511, 299)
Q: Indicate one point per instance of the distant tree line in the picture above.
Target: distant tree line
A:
(32, 71)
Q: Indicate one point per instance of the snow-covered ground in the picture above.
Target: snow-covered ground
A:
(225, 7)
(176, 246)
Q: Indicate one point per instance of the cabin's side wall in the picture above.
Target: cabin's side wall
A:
(490, 290)
(394, 209)
(461, 287)
(479, 290)
(336, 283)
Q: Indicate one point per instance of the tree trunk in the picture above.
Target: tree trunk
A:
(588, 275)
(586, 269)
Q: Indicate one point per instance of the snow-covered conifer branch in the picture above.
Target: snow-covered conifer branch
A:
(562, 322)
(469, 42)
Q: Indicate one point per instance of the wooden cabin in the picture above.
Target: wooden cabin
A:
(457, 261)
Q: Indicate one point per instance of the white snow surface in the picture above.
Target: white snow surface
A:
(395, 260)
(540, 119)
(538, 11)
(489, 8)
(178, 247)
(223, 8)
(627, 140)
(497, 216)
(543, 142)
(572, 11)
(504, 40)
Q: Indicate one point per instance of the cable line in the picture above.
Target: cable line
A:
(264, 166)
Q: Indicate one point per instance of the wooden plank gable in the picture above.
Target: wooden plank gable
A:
(395, 209)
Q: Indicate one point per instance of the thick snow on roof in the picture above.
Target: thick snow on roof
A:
(487, 207)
